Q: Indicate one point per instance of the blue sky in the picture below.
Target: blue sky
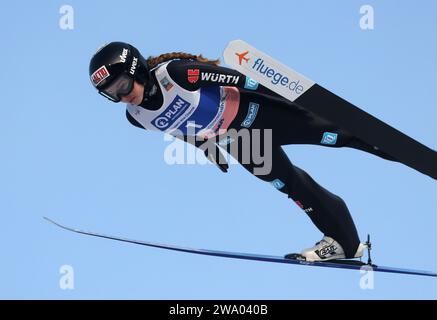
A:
(69, 154)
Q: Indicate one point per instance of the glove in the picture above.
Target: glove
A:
(221, 163)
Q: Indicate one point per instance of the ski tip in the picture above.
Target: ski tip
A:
(48, 219)
(62, 226)
(55, 223)
(51, 221)
(236, 42)
(230, 50)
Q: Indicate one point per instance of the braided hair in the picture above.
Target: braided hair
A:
(154, 61)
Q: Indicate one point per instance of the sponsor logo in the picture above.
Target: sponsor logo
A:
(219, 125)
(326, 251)
(221, 78)
(329, 138)
(133, 67)
(99, 75)
(195, 74)
(123, 55)
(276, 78)
(250, 84)
(173, 112)
(307, 210)
(251, 115)
(166, 84)
(299, 204)
(242, 56)
(278, 184)
(226, 141)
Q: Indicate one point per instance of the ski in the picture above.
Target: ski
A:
(340, 264)
(261, 68)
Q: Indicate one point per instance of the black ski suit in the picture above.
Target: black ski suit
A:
(289, 124)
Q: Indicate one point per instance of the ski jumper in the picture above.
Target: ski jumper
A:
(217, 99)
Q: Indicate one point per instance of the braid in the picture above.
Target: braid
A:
(154, 61)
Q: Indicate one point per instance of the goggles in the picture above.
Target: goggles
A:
(120, 86)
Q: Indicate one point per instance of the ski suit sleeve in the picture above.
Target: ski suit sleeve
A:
(192, 75)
